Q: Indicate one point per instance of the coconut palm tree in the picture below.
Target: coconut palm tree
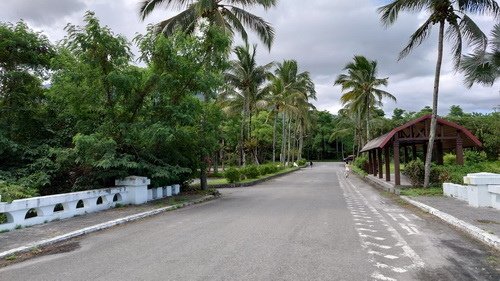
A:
(362, 94)
(289, 95)
(229, 16)
(454, 14)
(483, 67)
(246, 89)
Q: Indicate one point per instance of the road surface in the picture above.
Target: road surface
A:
(313, 224)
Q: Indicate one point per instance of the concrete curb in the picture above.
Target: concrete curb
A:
(476, 232)
(100, 226)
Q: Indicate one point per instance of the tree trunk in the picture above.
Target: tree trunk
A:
(368, 120)
(242, 140)
(274, 137)
(432, 133)
(283, 140)
(289, 141)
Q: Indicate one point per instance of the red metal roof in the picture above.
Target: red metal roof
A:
(444, 129)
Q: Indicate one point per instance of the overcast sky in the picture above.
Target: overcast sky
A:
(322, 35)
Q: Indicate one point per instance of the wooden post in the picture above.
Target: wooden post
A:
(387, 164)
(370, 162)
(440, 152)
(460, 150)
(397, 176)
(380, 173)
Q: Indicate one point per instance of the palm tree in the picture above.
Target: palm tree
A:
(289, 95)
(229, 17)
(246, 90)
(363, 95)
(460, 27)
(483, 67)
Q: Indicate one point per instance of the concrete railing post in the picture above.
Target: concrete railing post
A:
(477, 191)
(137, 188)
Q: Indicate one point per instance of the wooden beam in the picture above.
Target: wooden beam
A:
(397, 176)
(460, 150)
(440, 152)
(387, 163)
(380, 163)
(370, 162)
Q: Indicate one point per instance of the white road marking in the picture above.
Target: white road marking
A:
(358, 204)
(378, 245)
(411, 228)
(371, 236)
(379, 276)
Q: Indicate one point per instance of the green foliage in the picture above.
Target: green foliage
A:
(301, 162)
(449, 159)
(250, 172)
(414, 171)
(232, 175)
(474, 157)
(456, 173)
(486, 128)
(268, 169)
(362, 163)
(12, 192)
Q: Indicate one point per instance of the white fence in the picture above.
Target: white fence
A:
(482, 190)
(37, 210)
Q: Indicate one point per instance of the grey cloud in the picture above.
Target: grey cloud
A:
(322, 35)
(40, 13)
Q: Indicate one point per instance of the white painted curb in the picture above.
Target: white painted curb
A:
(483, 236)
(98, 227)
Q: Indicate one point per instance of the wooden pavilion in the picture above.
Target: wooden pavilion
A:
(412, 137)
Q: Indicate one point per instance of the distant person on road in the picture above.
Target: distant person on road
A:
(346, 169)
(311, 164)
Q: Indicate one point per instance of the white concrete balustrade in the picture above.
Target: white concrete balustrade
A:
(37, 210)
(482, 190)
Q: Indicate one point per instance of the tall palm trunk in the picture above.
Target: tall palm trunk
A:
(367, 118)
(432, 133)
(242, 140)
(274, 137)
(289, 140)
(283, 139)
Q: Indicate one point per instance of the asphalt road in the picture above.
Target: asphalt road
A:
(313, 224)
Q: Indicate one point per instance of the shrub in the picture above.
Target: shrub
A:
(415, 172)
(232, 175)
(362, 163)
(449, 159)
(474, 157)
(301, 162)
(12, 192)
(251, 172)
(215, 175)
(266, 169)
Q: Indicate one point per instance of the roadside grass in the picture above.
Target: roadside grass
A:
(431, 192)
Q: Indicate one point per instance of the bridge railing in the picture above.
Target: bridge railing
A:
(38, 210)
(482, 190)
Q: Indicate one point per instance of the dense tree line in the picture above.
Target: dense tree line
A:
(79, 114)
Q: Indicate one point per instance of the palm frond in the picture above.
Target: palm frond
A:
(263, 29)
(147, 6)
(186, 21)
(417, 38)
